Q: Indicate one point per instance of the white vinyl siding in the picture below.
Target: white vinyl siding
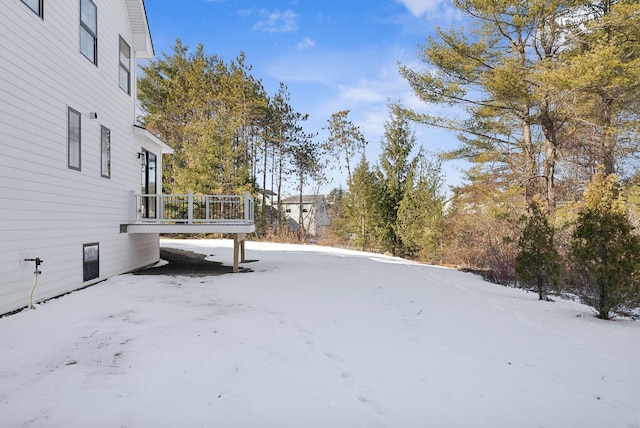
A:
(48, 210)
(125, 66)
(74, 139)
(89, 30)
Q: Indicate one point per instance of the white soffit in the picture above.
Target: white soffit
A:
(141, 132)
(142, 44)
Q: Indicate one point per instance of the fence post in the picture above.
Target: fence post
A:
(247, 207)
(190, 208)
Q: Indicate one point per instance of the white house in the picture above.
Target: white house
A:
(315, 213)
(71, 157)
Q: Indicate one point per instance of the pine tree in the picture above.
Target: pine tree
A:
(345, 140)
(538, 263)
(599, 77)
(420, 212)
(395, 163)
(206, 110)
(360, 206)
(305, 158)
(605, 255)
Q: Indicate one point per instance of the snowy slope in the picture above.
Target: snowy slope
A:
(315, 337)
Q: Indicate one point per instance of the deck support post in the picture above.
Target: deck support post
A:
(238, 249)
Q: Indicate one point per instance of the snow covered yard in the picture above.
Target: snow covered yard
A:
(315, 337)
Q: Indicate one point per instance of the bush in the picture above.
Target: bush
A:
(538, 263)
(605, 255)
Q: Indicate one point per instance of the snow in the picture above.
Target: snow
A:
(315, 337)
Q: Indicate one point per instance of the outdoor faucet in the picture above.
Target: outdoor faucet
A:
(38, 261)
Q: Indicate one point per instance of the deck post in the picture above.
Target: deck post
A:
(238, 250)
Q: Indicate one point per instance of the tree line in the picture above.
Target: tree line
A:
(549, 98)
(548, 102)
(229, 136)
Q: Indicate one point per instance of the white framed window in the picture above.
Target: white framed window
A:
(89, 30)
(73, 139)
(125, 66)
(37, 6)
(105, 152)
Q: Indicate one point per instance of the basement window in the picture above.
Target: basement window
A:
(90, 261)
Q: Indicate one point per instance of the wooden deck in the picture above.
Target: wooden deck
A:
(193, 213)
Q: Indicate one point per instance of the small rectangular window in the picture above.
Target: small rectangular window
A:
(90, 261)
(105, 152)
(73, 139)
(37, 6)
(125, 66)
(89, 30)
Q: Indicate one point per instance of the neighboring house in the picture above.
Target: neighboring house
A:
(315, 213)
(71, 157)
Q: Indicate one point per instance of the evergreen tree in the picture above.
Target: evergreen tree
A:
(397, 144)
(420, 212)
(306, 162)
(360, 205)
(345, 140)
(206, 110)
(490, 70)
(599, 77)
(605, 255)
(538, 263)
(338, 224)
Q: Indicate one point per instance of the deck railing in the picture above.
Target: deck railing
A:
(194, 209)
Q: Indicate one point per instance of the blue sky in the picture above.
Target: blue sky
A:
(333, 55)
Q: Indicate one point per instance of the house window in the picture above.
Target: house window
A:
(305, 210)
(105, 152)
(90, 261)
(89, 30)
(73, 139)
(37, 6)
(125, 66)
(288, 210)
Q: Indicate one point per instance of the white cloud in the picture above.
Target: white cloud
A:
(306, 43)
(419, 7)
(360, 94)
(277, 22)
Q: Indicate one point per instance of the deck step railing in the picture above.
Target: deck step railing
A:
(194, 209)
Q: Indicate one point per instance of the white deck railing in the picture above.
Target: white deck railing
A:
(194, 209)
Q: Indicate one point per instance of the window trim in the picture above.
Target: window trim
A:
(90, 261)
(40, 11)
(103, 173)
(76, 113)
(85, 27)
(124, 67)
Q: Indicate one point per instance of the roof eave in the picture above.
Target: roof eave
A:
(142, 43)
(142, 132)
